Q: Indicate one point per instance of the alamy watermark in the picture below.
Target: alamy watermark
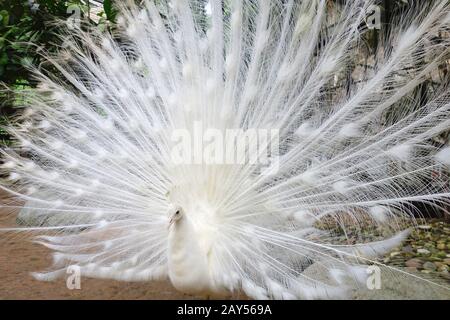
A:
(373, 17)
(202, 145)
(74, 19)
(73, 281)
(374, 279)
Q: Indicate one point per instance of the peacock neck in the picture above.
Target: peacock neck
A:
(187, 261)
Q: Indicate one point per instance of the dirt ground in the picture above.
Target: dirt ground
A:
(19, 257)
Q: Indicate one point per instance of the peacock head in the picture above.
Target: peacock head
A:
(175, 214)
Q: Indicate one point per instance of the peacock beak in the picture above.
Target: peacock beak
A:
(171, 221)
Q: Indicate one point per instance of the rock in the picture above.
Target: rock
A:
(411, 269)
(445, 275)
(434, 259)
(395, 253)
(423, 251)
(429, 266)
(414, 263)
(433, 250)
(443, 268)
(394, 285)
(407, 249)
(447, 261)
(441, 246)
(425, 227)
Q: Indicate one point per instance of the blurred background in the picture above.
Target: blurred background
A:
(27, 26)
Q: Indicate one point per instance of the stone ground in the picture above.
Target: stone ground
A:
(425, 254)
(427, 250)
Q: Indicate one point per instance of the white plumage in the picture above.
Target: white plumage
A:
(190, 257)
(94, 145)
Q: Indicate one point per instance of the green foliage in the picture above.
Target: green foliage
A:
(25, 26)
(23, 23)
(109, 10)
